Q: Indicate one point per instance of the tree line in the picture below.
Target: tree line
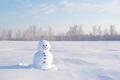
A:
(74, 33)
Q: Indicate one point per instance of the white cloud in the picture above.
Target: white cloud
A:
(43, 8)
(76, 7)
(112, 6)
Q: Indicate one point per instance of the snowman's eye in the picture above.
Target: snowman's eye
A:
(44, 45)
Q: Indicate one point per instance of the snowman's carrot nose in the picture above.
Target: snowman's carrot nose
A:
(44, 46)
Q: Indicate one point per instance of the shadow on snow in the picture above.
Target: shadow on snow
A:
(17, 67)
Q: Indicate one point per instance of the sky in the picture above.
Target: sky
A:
(59, 14)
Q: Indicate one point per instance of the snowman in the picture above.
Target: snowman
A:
(43, 58)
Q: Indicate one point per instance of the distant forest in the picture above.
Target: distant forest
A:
(74, 33)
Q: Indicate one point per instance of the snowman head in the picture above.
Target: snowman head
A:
(43, 45)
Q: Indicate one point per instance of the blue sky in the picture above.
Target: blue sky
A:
(59, 14)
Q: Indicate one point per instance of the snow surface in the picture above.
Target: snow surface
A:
(75, 61)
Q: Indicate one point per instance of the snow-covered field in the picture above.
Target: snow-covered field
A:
(75, 61)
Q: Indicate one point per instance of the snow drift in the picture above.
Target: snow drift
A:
(75, 61)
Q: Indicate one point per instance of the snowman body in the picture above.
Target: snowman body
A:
(43, 58)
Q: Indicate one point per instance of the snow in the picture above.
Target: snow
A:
(75, 61)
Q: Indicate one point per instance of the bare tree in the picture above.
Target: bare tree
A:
(39, 34)
(6, 34)
(9, 34)
(81, 33)
(73, 33)
(50, 34)
(106, 34)
(19, 35)
(112, 30)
